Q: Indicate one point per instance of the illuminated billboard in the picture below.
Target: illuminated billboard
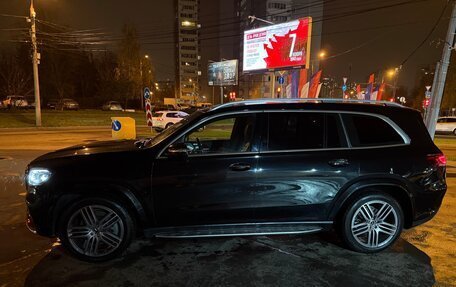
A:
(223, 73)
(278, 46)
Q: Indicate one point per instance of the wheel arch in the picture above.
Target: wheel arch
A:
(396, 189)
(118, 193)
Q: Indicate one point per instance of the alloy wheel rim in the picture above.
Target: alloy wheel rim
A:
(374, 224)
(95, 230)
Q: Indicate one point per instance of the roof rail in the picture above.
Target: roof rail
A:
(305, 100)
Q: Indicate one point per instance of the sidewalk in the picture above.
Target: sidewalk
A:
(451, 168)
(50, 130)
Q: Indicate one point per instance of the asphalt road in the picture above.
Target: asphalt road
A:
(423, 256)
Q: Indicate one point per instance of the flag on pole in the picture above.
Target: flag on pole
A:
(313, 84)
(370, 87)
(302, 81)
(371, 78)
(359, 95)
(318, 91)
(374, 93)
(304, 93)
(381, 90)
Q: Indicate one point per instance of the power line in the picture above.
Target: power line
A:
(428, 34)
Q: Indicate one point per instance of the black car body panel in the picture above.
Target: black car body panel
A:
(257, 186)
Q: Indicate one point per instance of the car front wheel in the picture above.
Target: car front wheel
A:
(372, 223)
(96, 230)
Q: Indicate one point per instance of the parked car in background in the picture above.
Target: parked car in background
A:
(31, 102)
(52, 103)
(67, 104)
(203, 105)
(446, 125)
(161, 107)
(164, 119)
(15, 102)
(112, 106)
(190, 110)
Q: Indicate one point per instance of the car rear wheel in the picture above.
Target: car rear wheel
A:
(168, 125)
(96, 230)
(372, 223)
(454, 132)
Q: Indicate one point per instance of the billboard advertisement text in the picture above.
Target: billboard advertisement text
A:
(223, 73)
(278, 46)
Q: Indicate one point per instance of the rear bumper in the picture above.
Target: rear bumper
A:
(427, 204)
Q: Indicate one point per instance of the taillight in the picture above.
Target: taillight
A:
(437, 159)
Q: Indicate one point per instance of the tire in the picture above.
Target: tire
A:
(371, 223)
(168, 125)
(83, 235)
(454, 132)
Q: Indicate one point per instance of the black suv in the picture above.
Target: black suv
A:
(245, 168)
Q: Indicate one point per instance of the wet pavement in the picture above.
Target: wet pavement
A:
(315, 260)
(423, 256)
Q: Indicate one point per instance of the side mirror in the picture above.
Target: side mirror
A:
(178, 151)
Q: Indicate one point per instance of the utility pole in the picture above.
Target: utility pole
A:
(439, 82)
(35, 60)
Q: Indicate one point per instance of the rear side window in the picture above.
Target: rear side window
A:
(171, 115)
(301, 130)
(365, 131)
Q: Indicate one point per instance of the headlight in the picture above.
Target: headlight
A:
(38, 176)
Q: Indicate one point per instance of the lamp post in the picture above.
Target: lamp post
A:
(35, 61)
(394, 73)
(142, 81)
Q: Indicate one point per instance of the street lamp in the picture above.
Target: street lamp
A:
(394, 73)
(391, 73)
(322, 55)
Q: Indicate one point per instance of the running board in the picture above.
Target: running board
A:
(245, 229)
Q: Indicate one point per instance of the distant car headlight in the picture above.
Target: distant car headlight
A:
(38, 176)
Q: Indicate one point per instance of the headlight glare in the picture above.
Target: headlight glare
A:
(38, 176)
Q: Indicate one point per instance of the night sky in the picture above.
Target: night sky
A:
(381, 47)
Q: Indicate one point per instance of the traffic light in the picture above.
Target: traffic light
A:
(426, 103)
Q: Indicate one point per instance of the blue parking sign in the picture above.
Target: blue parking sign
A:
(146, 93)
(116, 126)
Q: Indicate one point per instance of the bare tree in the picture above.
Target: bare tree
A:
(13, 79)
(130, 62)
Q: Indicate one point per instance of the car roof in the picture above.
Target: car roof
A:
(167, 111)
(311, 104)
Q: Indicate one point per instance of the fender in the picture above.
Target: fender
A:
(376, 181)
(107, 190)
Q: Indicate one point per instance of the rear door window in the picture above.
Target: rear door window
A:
(366, 131)
(301, 130)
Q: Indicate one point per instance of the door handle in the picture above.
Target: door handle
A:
(339, 162)
(239, 166)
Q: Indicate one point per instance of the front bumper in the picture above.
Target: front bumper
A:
(39, 212)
